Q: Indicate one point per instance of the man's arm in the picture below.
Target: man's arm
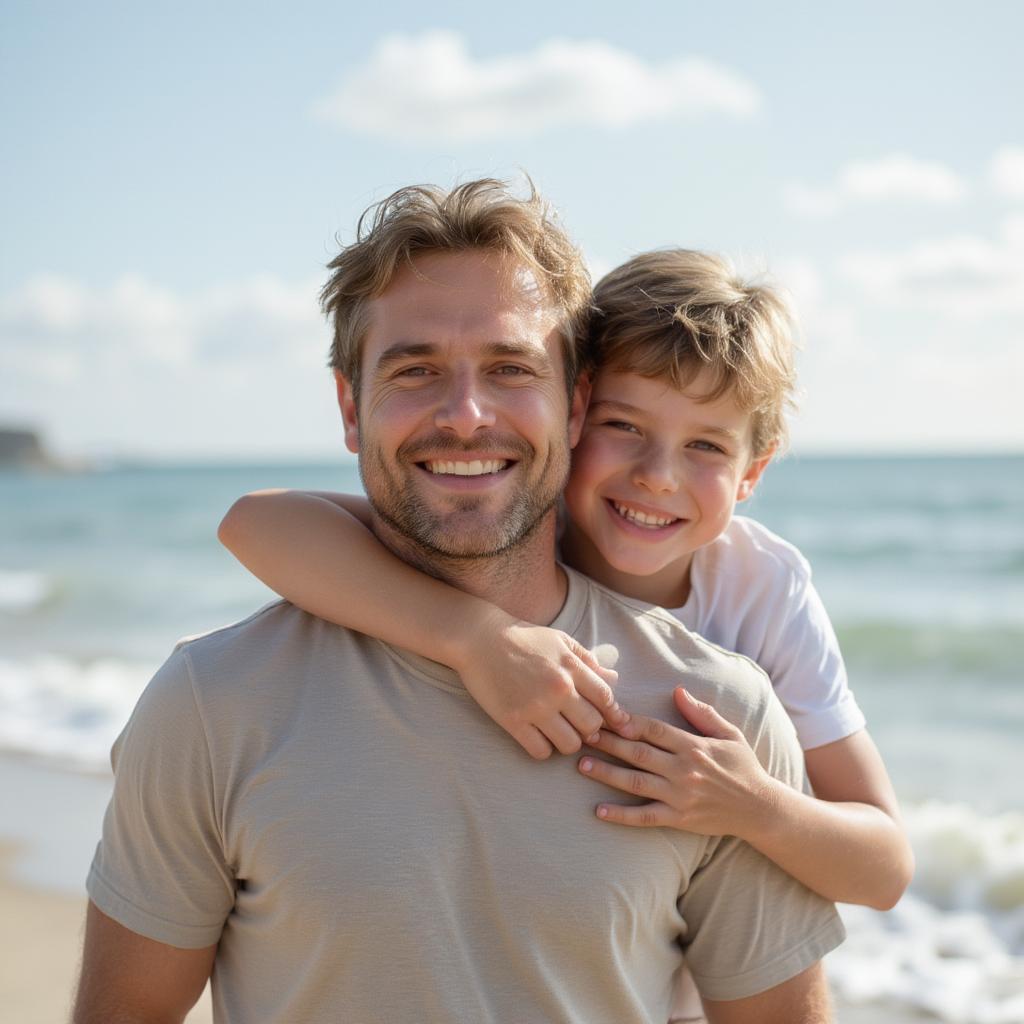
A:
(129, 979)
(800, 1000)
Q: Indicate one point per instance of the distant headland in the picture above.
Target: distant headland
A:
(21, 448)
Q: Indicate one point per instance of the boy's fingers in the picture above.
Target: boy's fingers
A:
(703, 717)
(652, 815)
(629, 780)
(633, 752)
(600, 695)
(562, 736)
(533, 742)
(609, 675)
(583, 716)
(653, 731)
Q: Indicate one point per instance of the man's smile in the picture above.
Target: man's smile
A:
(457, 467)
(476, 475)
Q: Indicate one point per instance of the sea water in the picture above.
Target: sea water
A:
(920, 562)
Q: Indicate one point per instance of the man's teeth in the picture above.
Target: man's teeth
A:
(479, 467)
(642, 518)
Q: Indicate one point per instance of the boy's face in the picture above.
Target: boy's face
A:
(655, 476)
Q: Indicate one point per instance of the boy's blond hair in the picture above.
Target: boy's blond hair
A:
(673, 313)
(483, 215)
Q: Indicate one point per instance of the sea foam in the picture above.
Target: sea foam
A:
(23, 590)
(954, 945)
(56, 707)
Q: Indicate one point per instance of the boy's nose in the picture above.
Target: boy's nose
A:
(465, 408)
(657, 474)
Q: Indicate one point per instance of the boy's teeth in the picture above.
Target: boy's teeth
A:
(642, 518)
(478, 467)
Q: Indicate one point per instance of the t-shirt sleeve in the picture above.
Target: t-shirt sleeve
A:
(748, 925)
(160, 868)
(801, 655)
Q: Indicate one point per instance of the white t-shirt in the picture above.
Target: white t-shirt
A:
(751, 592)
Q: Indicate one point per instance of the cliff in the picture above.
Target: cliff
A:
(23, 449)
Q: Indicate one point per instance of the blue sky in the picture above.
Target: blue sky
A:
(175, 175)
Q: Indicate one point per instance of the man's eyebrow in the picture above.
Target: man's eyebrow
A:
(402, 350)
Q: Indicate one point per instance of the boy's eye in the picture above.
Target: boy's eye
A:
(706, 446)
(621, 425)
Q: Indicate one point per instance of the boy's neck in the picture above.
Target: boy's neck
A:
(668, 588)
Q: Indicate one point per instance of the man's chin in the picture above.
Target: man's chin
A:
(456, 540)
(458, 535)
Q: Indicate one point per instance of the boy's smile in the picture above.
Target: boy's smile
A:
(655, 476)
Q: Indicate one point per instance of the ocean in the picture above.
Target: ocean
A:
(920, 562)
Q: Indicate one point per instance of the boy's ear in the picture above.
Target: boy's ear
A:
(347, 405)
(748, 482)
(578, 407)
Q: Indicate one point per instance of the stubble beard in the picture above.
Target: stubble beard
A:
(444, 543)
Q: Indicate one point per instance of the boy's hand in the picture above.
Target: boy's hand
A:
(711, 784)
(542, 687)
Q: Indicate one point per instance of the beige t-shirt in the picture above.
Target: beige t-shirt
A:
(365, 844)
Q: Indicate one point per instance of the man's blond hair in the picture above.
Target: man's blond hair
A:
(674, 313)
(478, 215)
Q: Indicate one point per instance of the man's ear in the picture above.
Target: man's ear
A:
(748, 482)
(578, 407)
(347, 405)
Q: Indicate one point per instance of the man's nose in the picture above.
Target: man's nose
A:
(465, 407)
(656, 472)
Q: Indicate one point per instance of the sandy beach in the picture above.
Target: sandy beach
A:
(51, 821)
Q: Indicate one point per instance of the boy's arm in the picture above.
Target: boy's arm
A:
(846, 845)
(126, 976)
(847, 842)
(315, 550)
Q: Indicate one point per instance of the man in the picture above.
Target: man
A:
(329, 824)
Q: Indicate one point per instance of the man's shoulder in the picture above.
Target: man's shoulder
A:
(276, 639)
(273, 616)
(654, 640)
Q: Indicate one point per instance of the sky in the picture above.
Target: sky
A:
(176, 176)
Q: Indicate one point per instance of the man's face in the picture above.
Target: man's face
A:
(463, 426)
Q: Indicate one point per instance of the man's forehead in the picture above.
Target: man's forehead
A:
(472, 279)
(457, 296)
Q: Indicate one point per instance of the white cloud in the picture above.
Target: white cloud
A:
(875, 379)
(133, 366)
(133, 318)
(429, 87)
(964, 276)
(1006, 172)
(895, 177)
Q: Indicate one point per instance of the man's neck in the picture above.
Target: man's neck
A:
(525, 581)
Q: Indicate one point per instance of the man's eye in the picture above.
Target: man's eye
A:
(413, 371)
(512, 371)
